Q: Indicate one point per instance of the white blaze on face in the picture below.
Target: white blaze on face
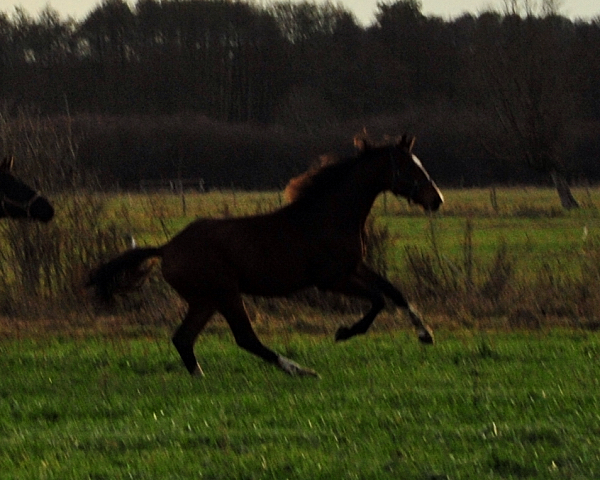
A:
(418, 163)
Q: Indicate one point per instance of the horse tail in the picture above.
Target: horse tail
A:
(123, 273)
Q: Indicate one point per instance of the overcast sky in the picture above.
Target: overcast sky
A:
(363, 9)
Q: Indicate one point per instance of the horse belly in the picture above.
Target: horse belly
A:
(286, 270)
(273, 273)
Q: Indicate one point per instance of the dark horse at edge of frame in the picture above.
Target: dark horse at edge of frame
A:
(316, 240)
(18, 200)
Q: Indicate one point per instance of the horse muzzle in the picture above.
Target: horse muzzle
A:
(430, 198)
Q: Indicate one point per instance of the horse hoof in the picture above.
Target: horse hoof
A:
(197, 372)
(426, 336)
(292, 368)
(343, 333)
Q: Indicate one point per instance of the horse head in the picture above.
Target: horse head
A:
(18, 200)
(406, 176)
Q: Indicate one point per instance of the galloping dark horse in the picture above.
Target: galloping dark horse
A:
(17, 200)
(313, 241)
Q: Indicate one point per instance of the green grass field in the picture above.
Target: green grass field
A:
(485, 406)
(94, 397)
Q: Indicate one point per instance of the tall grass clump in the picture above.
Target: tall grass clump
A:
(44, 267)
(509, 288)
(462, 285)
(587, 293)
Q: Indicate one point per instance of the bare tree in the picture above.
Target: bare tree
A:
(523, 66)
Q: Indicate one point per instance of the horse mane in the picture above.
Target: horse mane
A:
(319, 178)
(329, 168)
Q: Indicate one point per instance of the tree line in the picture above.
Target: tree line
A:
(512, 83)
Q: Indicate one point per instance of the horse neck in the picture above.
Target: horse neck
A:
(349, 203)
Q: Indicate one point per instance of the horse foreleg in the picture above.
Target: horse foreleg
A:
(196, 319)
(366, 283)
(235, 314)
(357, 287)
(424, 333)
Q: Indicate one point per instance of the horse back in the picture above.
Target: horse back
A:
(269, 255)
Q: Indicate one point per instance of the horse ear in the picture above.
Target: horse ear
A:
(412, 143)
(7, 164)
(360, 143)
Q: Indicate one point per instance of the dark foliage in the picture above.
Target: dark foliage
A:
(490, 95)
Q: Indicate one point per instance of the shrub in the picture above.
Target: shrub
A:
(462, 286)
(44, 267)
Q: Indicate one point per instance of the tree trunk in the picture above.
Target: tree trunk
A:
(564, 191)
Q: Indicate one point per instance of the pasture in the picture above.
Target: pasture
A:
(475, 405)
(508, 391)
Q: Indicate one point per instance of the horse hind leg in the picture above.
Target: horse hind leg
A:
(235, 314)
(196, 319)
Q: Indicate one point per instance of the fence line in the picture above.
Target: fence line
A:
(173, 185)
